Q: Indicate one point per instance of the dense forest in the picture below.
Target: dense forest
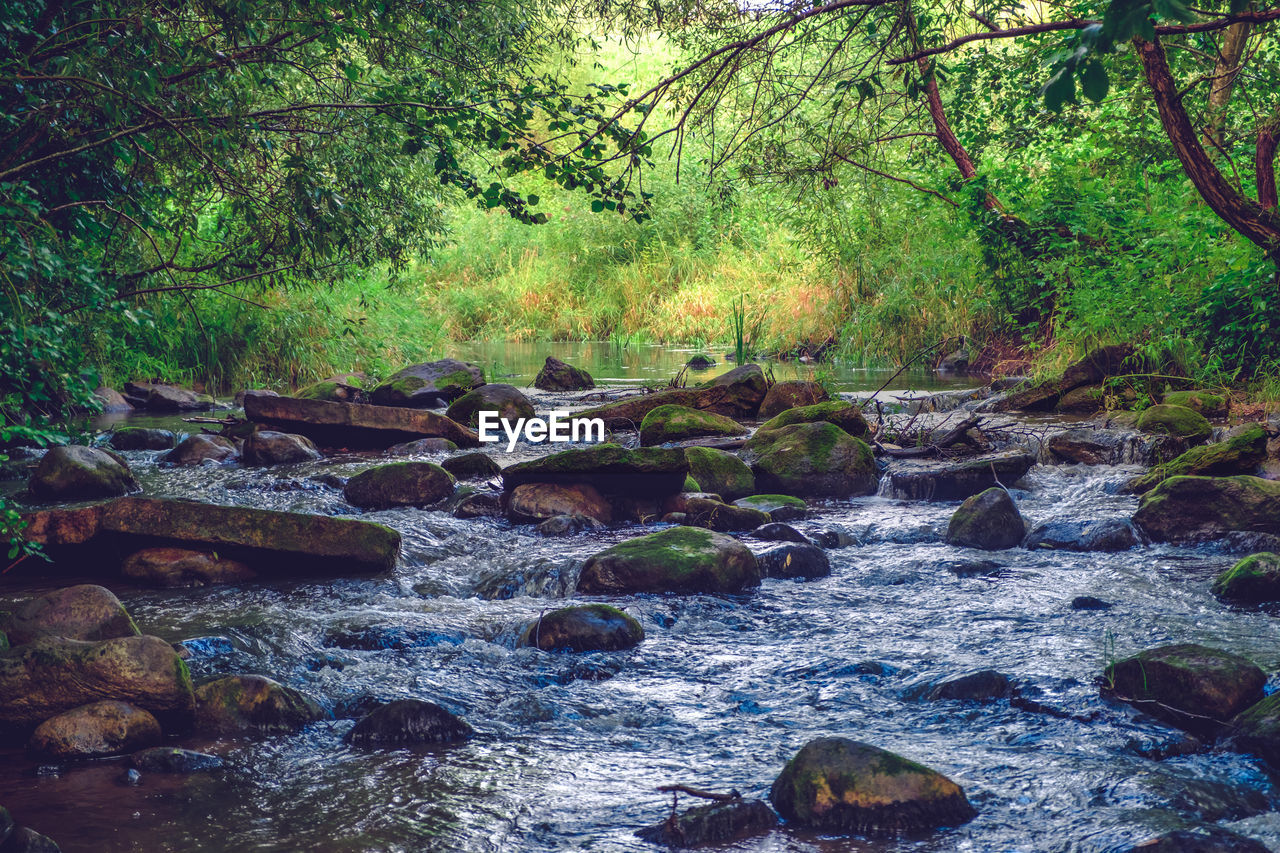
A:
(245, 194)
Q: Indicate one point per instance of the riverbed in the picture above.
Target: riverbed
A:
(722, 692)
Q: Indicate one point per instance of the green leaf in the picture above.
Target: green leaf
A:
(1094, 81)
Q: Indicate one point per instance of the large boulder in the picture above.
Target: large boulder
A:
(1094, 446)
(95, 730)
(157, 397)
(677, 423)
(76, 473)
(112, 401)
(720, 472)
(794, 561)
(1257, 730)
(736, 394)
(1194, 687)
(506, 401)
(284, 542)
(196, 449)
(242, 704)
(583, 628)
(406, 722)
(347, 388)
(811, 459)
(352, 425)
(845, 415)
(644, 472)
(989, 520)
(556, 375)
(536, 502)
(791, 395)
(1175, 420)
(839, 785)
(472, 466)
(141, 438)
(82, 612)
(718, 823)
(955, 480)
(435, 383)
(1090, 370)
(1191, 509)
(1239, 454)
(53, 674)
(677, 560)
(184, 567)
(399, 484)
(268, 447)
(1205, 402)
(1111, 534)
(1253, 580)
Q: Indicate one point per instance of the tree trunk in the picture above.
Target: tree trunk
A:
(1257, 223)
(1264, 162)
(1225, 70)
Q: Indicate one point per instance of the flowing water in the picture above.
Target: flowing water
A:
(720, 694)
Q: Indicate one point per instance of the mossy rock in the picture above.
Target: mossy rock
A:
(989, 520)
(1175, 420)
(691, 485)
(811, 459)
(244, 704)
(81, 612)
(399, 484)
(472, 466)
(556, 375)
(141, 438)
(53, 674)
(790, 395)
(1257, 730)
(677, 423)
(839, 785)
(1255, 579)
(195, 449)
(1191, 509)
(76, 473)
(719, 472)
(678, 560)
(422, 447)
(779, 507)
(407, 722)
(583, 628)
(429, 384)
(714, 514)
(506, 401)
(1084, 400)
(332, 390)
(95, 730)
(845, 415)
(643, 472)
(1206, 403)
(700, 361)
(1240, 454)
(1187, 685)
(172, 759)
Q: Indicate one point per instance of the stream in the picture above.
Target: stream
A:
(722, 692)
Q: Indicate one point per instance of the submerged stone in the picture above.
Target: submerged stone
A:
(583, 628)
(984, 686)
(1204, 839)
(170, 759)
(1112, 534)
(778, 532)
(717, 823)
(839, 785)
(779, 507)
(678, 560)
(408, 721)
(794, 561)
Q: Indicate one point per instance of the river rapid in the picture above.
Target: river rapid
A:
(722, 692)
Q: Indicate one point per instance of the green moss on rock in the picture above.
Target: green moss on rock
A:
(720, 472)
(677, 560)
(242, 704)
(1239, 454)
(677, 423)
(1190, 509)
(1206, 403)
(1254, 579)
(583, 628)
(989, 520)
(811, 459)
(1188, 685)
(1175, 420)
(399, 484)
(845, 415)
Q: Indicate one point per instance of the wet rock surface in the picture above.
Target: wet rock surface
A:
(408, 721)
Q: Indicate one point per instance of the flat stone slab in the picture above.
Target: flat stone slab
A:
(956, 479)
(273, 543)
(642, 472)
(353, 425)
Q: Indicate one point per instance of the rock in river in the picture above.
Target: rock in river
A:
(1190, 686)
(736, 394)
(399, 484)
(556, 375)
(1257, 730)
(583, 628)
(1254, 579)
(506, 401)
(408, 721)
(839, 785)
(720, 472)
(799, 561)
(1175, 420)
(353, 425)
(75, 472)
(171, 759)
(195, 449)
(1204, 839)
(613, 470)
(140, 438)
(791, 395)
(989, 520)
(472, 466)
(81, 612)
(845, 415)
(1240, 454)
(779, 507)
(677, 423)
(432, 384)
(53, 674)
(1190, 509)
(717, 823)
(95, 730)
(240, 704)
(677, 560)
(268, 447)
(958, 479)
(536, 502)
(183, 567)
(811, 459)
(1111, 534)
